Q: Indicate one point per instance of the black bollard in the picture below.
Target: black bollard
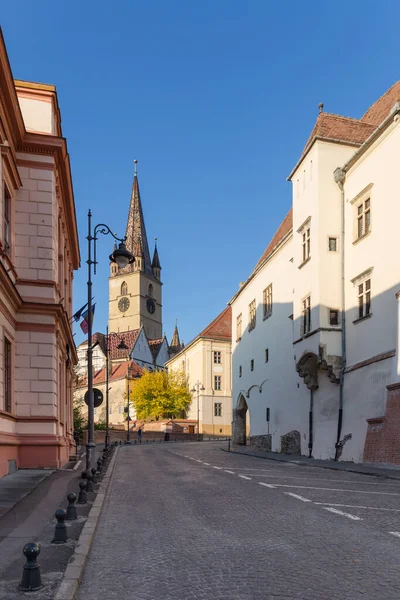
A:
(89, 482)
(99, 465)
(120, 443)
(83, 474)
(94, 478)
(82, 498)
(98, 476)
(31, 580)
(135, 442)
(71, 510)
(60, 532)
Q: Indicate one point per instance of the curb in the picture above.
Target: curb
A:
(72, 577)
(307, 464)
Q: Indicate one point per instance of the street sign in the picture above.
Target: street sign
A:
(129, 418)
(98, 397)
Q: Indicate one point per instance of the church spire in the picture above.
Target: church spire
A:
(136, 236)
(156, 265)
(175, 342)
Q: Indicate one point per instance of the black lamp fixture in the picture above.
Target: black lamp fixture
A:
(122, 256)
(122, 346)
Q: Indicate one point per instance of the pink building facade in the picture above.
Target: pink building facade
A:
(38, 253)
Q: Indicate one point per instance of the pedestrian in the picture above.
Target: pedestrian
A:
(139, 434)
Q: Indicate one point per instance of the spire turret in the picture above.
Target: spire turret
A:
(156, 265)
(136, 229)
(175, 345)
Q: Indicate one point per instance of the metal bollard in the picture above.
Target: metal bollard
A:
(99, 465)
(71, 510)
(229, 444)
(60, 532)
(82, 498)
(89, 482)
(94, 478)
(31, 580)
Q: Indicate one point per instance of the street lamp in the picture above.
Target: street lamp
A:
(122, 257)
(121, 346)
(197, 388)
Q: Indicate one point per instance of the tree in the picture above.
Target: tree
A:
(80, 422)
(160, 395)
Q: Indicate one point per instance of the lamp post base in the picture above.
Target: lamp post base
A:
(89, 453)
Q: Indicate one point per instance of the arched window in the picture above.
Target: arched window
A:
(150, 292)
(124, 289)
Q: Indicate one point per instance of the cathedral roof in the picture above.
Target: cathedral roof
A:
(129, 338)
(119, 371)
(136, 230)
(175, 342)
(155, 346)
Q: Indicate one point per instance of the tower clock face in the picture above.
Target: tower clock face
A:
(151, 307)
(123, 304)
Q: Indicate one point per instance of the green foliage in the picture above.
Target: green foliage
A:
(80, 422)
(160, 395)
(100, 425)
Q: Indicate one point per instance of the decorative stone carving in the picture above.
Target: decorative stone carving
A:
(307, 368)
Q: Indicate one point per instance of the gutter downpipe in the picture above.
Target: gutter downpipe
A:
(340, 176)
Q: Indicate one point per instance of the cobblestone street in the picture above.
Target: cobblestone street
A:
(188, 521)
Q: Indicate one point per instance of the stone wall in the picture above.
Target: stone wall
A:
(290, 442)
(261, 442)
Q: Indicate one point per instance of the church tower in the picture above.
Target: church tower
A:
(135, 292)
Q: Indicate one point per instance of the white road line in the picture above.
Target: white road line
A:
(297, 497)
(317, 479)
(214, 467)
(231, 472)
(309, 487)
(245, 477)
(197, 460)
(268, 485)
(356, 506)
(204, 463)
(343, 514)
(395, 533)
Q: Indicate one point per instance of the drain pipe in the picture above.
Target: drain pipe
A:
(340, 176)
(311, 424)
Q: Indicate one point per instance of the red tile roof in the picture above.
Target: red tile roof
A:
(155, 346)
(382, 107)
(282, 231)
(129, 338)
(119, 371)
(221, 327)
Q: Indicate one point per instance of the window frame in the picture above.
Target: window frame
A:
(124, 289)
(217, 409)
(336, 239)
(239, 321)
(306, 315)
(8, 374)
(217, 383)
(267, 301)
(7, 217)
(330, 313)
(217, 357)
(240, 370)
(252, 315)
(252, 364)
(363, 293)
(266, 355)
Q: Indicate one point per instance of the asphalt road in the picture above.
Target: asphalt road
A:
(188, 521)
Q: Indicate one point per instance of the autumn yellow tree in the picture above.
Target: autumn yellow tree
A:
(160, 394)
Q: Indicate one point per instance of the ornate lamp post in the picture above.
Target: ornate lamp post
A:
(196, 388)
(121, 346)
(122, 257)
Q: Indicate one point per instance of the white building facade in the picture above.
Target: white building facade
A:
(314, 328)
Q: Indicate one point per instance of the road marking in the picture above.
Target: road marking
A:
(231, 472)
(343, 514)
(298, 497)
(395, 533)
(245, 477)
(204, 463)
(268, 485)
(214, 467)
(308, 487)
(317, 479)
(356, 506)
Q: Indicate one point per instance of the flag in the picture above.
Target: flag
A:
(78, 314)
(85, 322)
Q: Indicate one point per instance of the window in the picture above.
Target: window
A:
(217, 383)
(218, 409)
(306, 318)
(124, 289)
(238, 327)
(333, 317)
(363, 218)
(252, 315)
(364, 298)
(252, 364)
(119, 410)
(306, 242)
(150, 291)
(332, 244)
(267, 301)
(240, 370)
(7, 375)
(266, 355)
(7, 220)
(217, 358)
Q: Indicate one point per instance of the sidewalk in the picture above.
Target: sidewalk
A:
(14, 487)
(387, 471)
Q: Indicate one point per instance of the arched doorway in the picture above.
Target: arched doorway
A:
(240, 422)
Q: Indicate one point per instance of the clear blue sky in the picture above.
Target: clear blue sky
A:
(216, 99)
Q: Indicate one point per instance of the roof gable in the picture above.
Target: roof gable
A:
(221, 327)
(382, 107)
(281, 232)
